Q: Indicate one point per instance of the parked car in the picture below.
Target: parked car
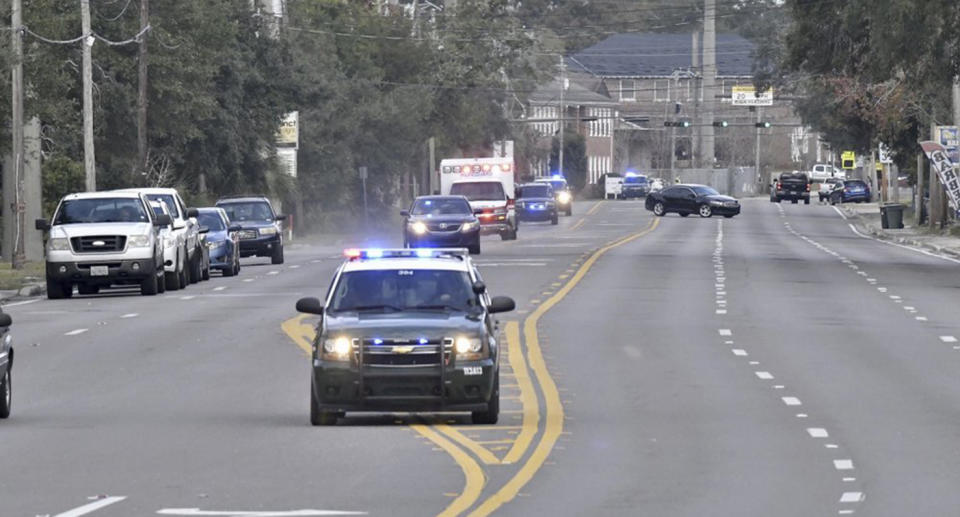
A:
(441, 221)
(850, 191)
(561, 192)
(635, 186)
(826, 187)
(6, 365)
(692, 199)
(99, 239)
(536, 202)
(793, 186)
(260, 232)
(171, 250)
(822, 171)
(221, 240)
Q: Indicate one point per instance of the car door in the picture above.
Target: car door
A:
(672, 198)
(192, 229)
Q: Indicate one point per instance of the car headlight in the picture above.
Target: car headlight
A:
(563, 197)
(58, 244)
(418, 228)
(269, 230)
(138, 241)
(716, 203)
(468, 348)
(469, 226)
(337, 348)
(215, 244)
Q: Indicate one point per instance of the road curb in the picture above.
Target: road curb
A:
(871, 229)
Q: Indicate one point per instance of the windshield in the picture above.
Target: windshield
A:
(440, 206)
(534, 191)
(168, 200)
(636, 180)
(480, 191)
(856, 183)
(102, 210)
(212, 221)
(705, 191)
(249, 211)
(402, 290)
(557, 185)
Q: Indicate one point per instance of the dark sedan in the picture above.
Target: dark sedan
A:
(536, 202)
(441, 221)
(692, 199)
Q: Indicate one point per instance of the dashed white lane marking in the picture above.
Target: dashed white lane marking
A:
(849, 480)
(909, 308)
(845, 512)
(894, 297)
(817, 432)
(248, 280)
(843, 464)
(728, 342)
(801, 415)
(948, 339)
(221, 288)
(921, 318)
(76, 332)
(273, 272)
(130, 315)
(882, 289)
(295, 266)
(739, 352)
(187, 297)
(91, 507)
(764, 375)
(754, 363)
(831, 445)
(779, 387)
(725, 332)
(721, 311)
(791, 401)
(851, 497)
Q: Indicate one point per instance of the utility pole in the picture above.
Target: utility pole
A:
(696, 80)
(918, 198)
(13, 198)
(709, 80)
(562, 116)
(756, 157)
(933, 214)
(142, 94)
(89, 159)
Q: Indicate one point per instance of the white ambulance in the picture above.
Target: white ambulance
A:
(487, 183)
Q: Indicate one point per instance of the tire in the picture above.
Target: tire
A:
(6, 393)
(806, 201)
(492, 414)
(659, 210)
(475, 248)
(148, 287)
(88, 289)
(196, 268)
(794, 201)
(555, 220)
(57, 291)
(705, 211)
(569, 211)
(172, 281)
(206, 272)
(317, 415)
(161, 282)
(277, 256)
(230, 271)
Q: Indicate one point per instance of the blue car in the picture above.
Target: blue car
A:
(850, 191)
(221, 239)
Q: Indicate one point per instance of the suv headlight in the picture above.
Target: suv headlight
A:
(469, 348)
(58, 244)
(215, 244)
(418, 228)
(138, 241)
(337, 349)
(269, 230)
(469, 226)
(563, 197)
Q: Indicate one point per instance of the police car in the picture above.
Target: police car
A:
(406, 330)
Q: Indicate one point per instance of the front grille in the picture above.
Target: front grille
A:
(248, 234)
(99, 243)
(400, 353)
(443, 227)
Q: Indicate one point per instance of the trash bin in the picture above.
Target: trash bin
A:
(891, 215)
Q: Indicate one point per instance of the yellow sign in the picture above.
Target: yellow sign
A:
(848, 160)
(288, 135)
(746, 95)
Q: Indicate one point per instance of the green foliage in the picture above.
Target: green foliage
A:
(61, 176)
(574, 159)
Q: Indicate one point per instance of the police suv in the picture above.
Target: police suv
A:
(406, 330)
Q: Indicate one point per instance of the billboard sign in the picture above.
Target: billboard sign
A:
(289, 133)
(946, 170)
(747, 96)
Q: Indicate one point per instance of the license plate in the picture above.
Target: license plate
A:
(99, 270)
(473, 370)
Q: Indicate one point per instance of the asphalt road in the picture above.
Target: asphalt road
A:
(772, 364)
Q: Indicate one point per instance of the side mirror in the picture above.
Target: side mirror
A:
(309, 306)
(162, 220)
(193, 212)
(42, 225)
(502, 304)
(479, 287)
(5, 320)
(204, 229)
(234, 228)
(405, 213)
(281, 218)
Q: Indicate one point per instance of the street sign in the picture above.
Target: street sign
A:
(289, 133)
(848, 160)
(747, 96)
(883, 153)
(946, 170)
(949, 138)
(363, 172)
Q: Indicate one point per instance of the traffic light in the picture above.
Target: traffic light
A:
(763, 124)
(720, 123)
(676, 123)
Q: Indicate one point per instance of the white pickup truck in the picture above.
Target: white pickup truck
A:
(822, 171)
(100, 239)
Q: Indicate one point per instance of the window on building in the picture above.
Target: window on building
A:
(628, 90)
(661, 90)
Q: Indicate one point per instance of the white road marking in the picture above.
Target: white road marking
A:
(849, 480)
(908, 308)
(728, 342)
(817, 432)
(843, 464)
(721, 311)
(894, 297)
(917, 250)
(725, 332)
(921, 318)
(221, 288)
(248, 280)
(76, 332)
(131, 315)
(845, 512)
(851, 497)
(273, 273)
(779, 387)
(882, 289)
(764, 375)
(948, 339)
(632, 352)
(27, 302)
(801, 415)
(196, 512)
(91, 507)
(791, 401)
(512, 264)
(295, 266)
(190, 297)
(871, 280)
(754, 363)
(831, 445)
(739, 352)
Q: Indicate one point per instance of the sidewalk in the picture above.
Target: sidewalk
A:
(866, 216)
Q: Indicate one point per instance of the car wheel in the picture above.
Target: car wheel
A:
(277, 256)
(475, 248)
(196, 268)
(148, 287)
(492, 414)
(319, 416)
(206, 271)
(658, 209)
(555, 220)
(56, 290)
(184, 271)
(88, 289)
(806, 201)
(161, 282)
(6, 393)
(705, 211)
(569, 211)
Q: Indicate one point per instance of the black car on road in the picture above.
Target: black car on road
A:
(406, 330)
(6, 365)
(792, 186)
(536, 202)
(692, 199)
(259, 233)
(441, 222)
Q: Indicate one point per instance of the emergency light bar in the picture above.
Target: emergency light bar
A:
(376, 253)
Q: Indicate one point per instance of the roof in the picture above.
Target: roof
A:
(150, 190)
(241, 199)
(105, 194)
(390, 264)
(581, 90)
(659, 55)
